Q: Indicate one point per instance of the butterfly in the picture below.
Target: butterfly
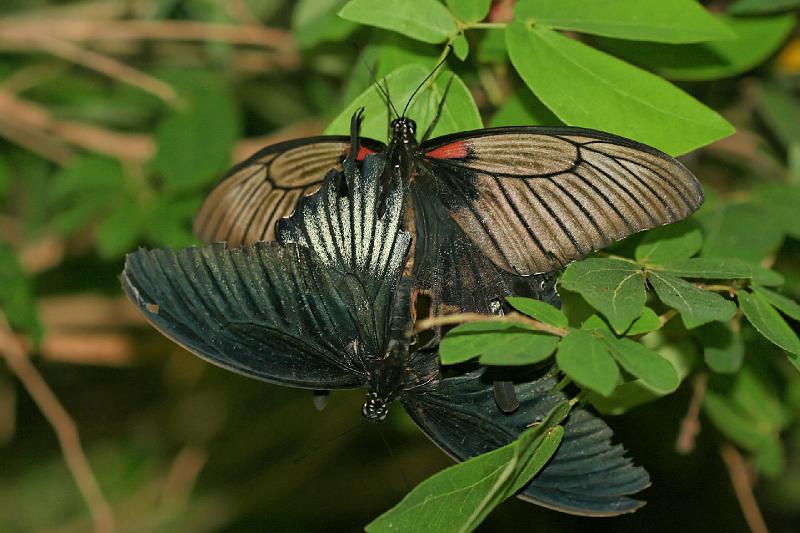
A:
(492, 211)
(329, 305)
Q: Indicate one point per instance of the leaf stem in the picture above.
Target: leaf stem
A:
(510, 318)
(485, 25)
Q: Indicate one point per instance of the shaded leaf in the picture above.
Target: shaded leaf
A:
(585, 358)
(770, 324)
(586, 87)
(788, 306)
(752, 7)
(317, 21)
(119, 233)
(744, 231)
(194, 142)
(16, 295)
(676, 21)
(670, 243)
(539, 310)
(425, 20)
(723, 348)
(612, 286)
(781, 201)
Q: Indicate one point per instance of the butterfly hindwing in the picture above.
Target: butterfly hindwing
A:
(588, 475)
(284, 312)
(252, 196)
(533, 198)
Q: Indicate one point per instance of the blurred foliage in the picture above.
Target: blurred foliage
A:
(116, 118)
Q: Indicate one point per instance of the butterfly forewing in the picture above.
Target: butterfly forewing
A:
(295, 312)
(252, 196)
(534, 199)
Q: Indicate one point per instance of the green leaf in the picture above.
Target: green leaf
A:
(646, 323)
(470, 10)
(317, 21)
(745, 231)
(778, 108)
(612, 286)
(119, 233)
(723, 348)
(670, 243)
(459, 111)
(492, 46)
(424, 20)
(497, 343)
(194, 143)
(676, 21)
(16, 295)
(458, 498)
(461, 47)
(585, 358)
(770, 324)
(539, 310)
(696, 306)
(708, 267)
(586, 87)
(756, 39)
(766, 277)
(85, 189)
(787, 305)
(169, 221)
(624, 398)
(781, 201)
(655, 372)
(757, 7)
(523, 109)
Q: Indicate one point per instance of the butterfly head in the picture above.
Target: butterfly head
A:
(404, 130)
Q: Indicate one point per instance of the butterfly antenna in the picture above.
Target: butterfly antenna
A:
(394, 459)
(429, 76)
(373, 79)
(334, 439)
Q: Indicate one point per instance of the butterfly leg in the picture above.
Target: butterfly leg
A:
(439, 108)
(321, 399)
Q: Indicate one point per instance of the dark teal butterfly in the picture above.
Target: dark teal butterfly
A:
(328, 306)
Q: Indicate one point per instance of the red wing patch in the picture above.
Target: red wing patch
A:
(456, 150)
(363, 152)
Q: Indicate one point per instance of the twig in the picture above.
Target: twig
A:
(62, 424)
(690, 425)
(137, 30)
(668, 315)
(105, 65)
(512, 318)
(742, 486)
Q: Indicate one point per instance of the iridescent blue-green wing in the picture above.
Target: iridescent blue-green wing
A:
(588, 475)
(304, 312)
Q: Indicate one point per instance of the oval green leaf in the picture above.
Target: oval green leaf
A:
(586, 87)
(676, 21)
(424, 20)
(584, 357)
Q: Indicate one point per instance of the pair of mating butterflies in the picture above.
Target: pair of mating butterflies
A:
(328, 301)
